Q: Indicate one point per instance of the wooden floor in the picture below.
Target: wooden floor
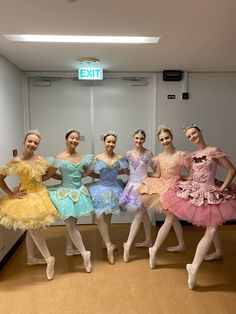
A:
(130, 288)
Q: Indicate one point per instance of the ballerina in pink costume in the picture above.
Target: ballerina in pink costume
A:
(200, 201)
(169, 164)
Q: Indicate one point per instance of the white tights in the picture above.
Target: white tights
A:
(140, 216)
(35, 237)
(204, 245)
(170, 221)
(103, 222)
(75, 235)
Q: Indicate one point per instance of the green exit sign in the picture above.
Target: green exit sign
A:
(90, 73)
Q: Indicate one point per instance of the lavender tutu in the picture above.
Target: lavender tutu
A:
(130, 198)
(191, 200)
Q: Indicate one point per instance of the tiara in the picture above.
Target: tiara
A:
(73, 130)
(110, 133)
(36, 132)
(190, 126)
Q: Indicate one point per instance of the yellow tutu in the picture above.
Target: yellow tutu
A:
(33, 211)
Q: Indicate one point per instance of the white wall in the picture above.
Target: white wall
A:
(212, 105)
(11, 131)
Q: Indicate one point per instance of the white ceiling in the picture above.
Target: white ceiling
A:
(196, 35)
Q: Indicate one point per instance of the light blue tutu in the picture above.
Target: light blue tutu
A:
(71, 197)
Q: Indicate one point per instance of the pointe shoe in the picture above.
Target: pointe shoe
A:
(177, 248)
(126, 253)
(87, 262)
(50, 267)
(110, 256)
(143, 244)
(152, 258)
(35, 261)
(72, 252)
(214, 256)
(192, 276)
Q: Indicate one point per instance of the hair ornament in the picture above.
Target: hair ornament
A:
(35, 132)
(109, 133)
(190, 126)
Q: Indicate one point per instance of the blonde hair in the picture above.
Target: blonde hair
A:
(34, 132)
(163, 128)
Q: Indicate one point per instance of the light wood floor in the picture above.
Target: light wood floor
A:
(130, 288)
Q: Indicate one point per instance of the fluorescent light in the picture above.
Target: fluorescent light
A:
(85, 39)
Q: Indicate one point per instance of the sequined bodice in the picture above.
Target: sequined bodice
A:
(108, 173)
(204, 169)
(170, 166)
(138, 167)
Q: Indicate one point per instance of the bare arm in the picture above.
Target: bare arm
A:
(5, 188)
(156, 169)
(224, 162)
(51, 171)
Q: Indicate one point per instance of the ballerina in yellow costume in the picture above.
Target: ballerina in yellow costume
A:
(29, 207)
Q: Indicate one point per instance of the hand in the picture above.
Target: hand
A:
(214, 188)
(19, 194)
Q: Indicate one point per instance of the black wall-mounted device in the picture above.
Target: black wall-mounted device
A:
(172, 75)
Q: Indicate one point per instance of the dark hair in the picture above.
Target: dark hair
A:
(72, 131)
(140, 131)
(163, 128)
(108, 134)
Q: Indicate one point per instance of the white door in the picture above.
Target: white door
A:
(94, 108)
(122, 106)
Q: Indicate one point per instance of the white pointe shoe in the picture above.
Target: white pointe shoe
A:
(192, 276)
(87, 262)
(126, 253)
(143, 244)
(152, 258)
(110, 256)
(35, 261)
(214, 256)
(50, 267)
(72, 251)
(177, 248)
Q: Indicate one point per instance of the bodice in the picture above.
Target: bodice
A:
(138, 167)
(71, 172)
(204, 166)
(170, 166)
(30, 176)
(109, 173)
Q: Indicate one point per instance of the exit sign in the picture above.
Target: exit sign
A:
(86, 73)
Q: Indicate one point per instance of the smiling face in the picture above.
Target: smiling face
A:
(31, 143)
(110, 143)
(165, 139)
(72, 140)
(194, 135)
(139, 140)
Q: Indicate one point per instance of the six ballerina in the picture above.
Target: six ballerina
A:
(196, 197)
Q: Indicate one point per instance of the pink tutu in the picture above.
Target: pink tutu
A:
(192, 201)
(204, 215)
